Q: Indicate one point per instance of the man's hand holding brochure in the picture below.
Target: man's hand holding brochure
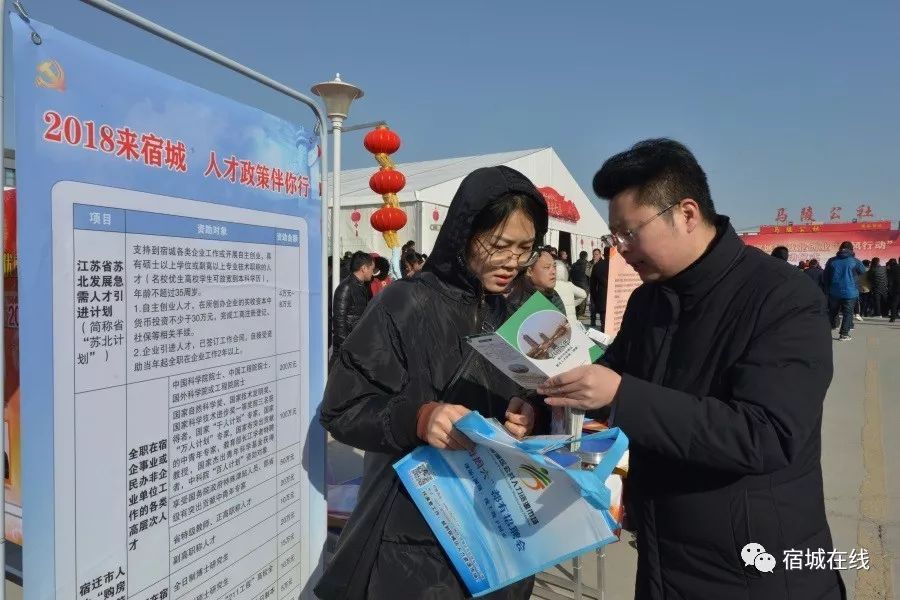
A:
(508, 508)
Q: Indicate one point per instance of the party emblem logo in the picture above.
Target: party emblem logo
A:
(50, 75)
(533, 477)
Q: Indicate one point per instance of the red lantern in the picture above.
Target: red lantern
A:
(388, 218)
(355, 216)
(387, 181)
(435, 215)
(382, 141)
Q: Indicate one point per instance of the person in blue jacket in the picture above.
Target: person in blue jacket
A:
(840, 284)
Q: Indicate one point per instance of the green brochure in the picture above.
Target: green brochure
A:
(537, 342)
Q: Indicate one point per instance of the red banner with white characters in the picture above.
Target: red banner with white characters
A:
(12, 458)
(827, 227)
(869, 240)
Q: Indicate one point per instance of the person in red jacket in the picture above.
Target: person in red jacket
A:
(382, 276)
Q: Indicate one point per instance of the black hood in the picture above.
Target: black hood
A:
(481, 187)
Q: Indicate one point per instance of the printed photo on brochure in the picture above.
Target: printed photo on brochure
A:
(537, 342)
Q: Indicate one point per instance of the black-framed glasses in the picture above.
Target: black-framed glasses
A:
(499, 257)
(627, 237)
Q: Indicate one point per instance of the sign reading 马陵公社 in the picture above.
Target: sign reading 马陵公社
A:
(170, 280)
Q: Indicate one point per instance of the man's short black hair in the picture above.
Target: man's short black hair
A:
(846, 246)
(663, 171)
(360, 259)
(582, 254)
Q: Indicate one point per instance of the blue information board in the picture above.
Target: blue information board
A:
(173, 343)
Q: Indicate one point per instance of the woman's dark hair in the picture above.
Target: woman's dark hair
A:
(409, 260)
(846, 246)
(663, 171)
(497, 212)
(876, 261)
(382, 268)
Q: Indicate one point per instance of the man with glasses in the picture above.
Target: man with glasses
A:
(717, 376)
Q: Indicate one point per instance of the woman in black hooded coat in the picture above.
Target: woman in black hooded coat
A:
(406, 373)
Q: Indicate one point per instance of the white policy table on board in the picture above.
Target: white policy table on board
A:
(180, 369)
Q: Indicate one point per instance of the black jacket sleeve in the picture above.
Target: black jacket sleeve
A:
(777, 390)
(367, 402)
(341, 324)
(599, 280)
(827, 273)
(894, 281)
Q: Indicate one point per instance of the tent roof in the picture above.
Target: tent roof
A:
(436, 181)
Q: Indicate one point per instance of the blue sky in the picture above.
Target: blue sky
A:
(785, 103)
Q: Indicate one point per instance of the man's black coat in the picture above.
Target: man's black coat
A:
(350, 300)
(724, 372)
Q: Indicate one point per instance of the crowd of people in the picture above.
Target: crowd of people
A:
(717, 376)
(576, 288)
(856, 289)
(362, 276)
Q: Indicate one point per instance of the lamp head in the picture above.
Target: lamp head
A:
(337, 95)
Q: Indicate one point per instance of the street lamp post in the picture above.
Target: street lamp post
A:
(337, 96)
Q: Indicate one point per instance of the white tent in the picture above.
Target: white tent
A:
(430, 186)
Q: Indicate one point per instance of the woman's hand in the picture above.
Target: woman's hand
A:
(435, 426)
(519, 417)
